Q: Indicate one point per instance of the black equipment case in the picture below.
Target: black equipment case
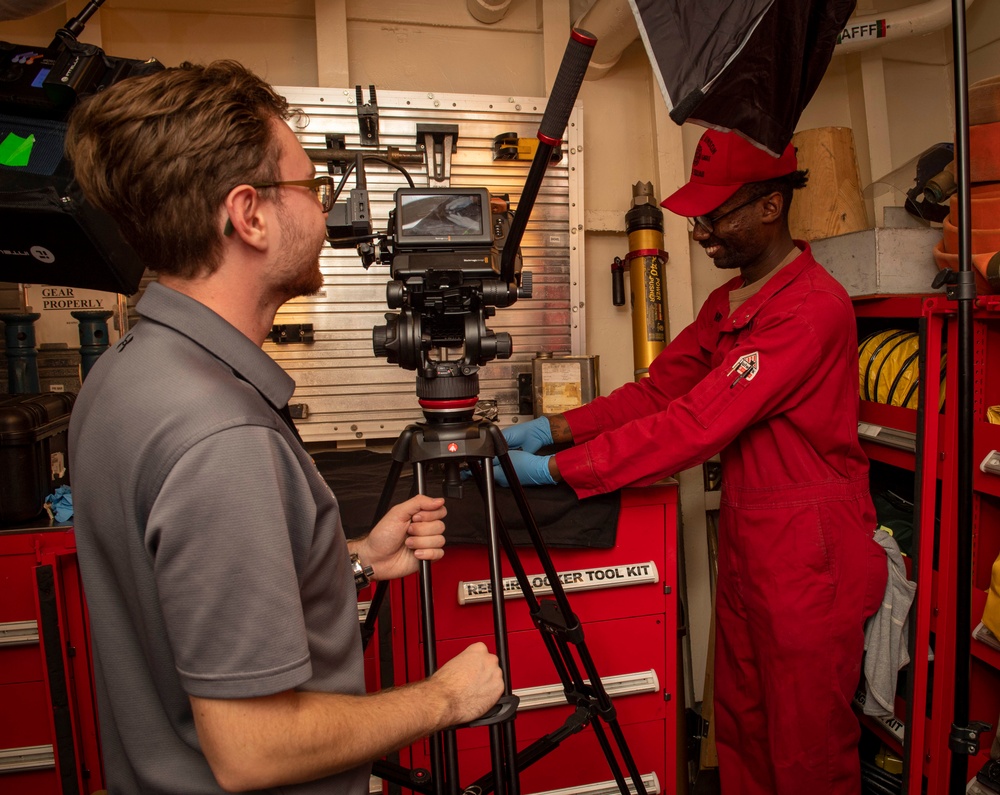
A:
(33, 456)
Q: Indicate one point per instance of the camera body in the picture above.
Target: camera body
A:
(441, 228)
(446, 229)
(444, 247)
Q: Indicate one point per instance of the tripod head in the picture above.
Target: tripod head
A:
(444, 246)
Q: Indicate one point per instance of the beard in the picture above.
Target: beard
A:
(724, 258)
(303, 281)
(297, 272)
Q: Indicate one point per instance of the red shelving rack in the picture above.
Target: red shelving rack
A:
(927, 712)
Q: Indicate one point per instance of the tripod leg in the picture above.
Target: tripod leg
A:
(559, 617)
(440, 742)
(503, 778)
(450, 742)
(609, 754)
(563, 663)
(385, 500)
(504, 742)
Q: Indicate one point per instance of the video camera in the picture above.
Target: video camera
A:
(445, 247)
(51, 234)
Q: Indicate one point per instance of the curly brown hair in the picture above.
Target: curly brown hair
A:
(160, 152)
(785, 185)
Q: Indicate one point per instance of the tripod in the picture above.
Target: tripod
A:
(451, 435)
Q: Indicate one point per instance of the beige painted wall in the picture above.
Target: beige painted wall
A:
(897, 99)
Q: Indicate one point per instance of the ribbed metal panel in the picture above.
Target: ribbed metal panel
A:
(349, 392)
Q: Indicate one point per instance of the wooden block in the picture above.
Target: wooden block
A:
(831, 203)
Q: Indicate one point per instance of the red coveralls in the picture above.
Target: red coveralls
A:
(775, 389)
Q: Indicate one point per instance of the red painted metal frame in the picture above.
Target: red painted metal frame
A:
(935, 606)
(915, 739)
(76, 662)
(56, 548)
(926, 757)
(984, 683)
(939, 604)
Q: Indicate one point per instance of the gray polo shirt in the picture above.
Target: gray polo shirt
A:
(212, 551)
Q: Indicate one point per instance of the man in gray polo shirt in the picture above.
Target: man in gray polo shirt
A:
(220, 584)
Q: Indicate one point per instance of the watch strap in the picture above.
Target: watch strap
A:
(362, 574)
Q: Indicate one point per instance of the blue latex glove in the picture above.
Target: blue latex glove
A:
(531, 469)
(60, 503)
(530, 437)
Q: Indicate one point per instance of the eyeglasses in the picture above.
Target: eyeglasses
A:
(321, 186)
(708, 224)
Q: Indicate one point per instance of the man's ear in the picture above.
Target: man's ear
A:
(245, 218)
(772, 207)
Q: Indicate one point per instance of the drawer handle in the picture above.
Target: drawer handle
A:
(889, 437)
(29, 757)
(991, 464)
(649, 782)
(18, 633)
(592, 579)
(615, 686)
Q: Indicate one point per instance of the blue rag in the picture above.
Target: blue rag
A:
(60, 504)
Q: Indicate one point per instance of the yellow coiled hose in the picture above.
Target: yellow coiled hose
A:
(889, 368)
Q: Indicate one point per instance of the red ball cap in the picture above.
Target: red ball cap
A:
(723, 163)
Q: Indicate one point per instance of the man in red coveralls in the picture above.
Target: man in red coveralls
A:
(767, 376)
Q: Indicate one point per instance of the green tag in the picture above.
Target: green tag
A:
(15, 150)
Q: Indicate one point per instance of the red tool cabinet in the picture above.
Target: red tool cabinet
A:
(48, 717)
(626, 599)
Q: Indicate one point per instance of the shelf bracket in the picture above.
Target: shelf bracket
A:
(439, 143)
(367, 117)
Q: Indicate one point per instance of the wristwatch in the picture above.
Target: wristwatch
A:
(362, 574)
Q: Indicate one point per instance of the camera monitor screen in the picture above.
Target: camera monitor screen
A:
(443, 217)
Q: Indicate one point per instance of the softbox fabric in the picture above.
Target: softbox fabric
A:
(20, 9)
(745, 65)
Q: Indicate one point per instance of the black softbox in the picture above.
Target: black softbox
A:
(749, 65)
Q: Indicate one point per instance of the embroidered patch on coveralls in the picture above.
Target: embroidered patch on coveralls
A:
(746, 367)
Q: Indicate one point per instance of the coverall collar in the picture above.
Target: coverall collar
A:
(741, 317)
